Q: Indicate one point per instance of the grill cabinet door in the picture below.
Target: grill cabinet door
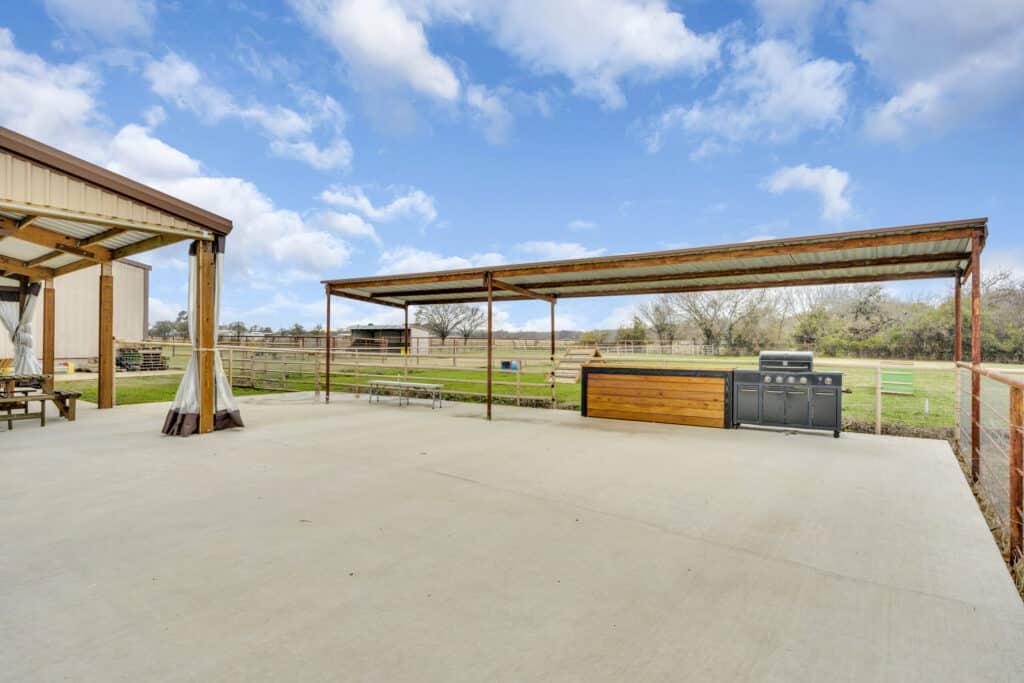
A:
(774, 407)
(747, 408)
(798, 407)
(823, 408)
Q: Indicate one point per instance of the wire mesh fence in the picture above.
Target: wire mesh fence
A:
(989, 438)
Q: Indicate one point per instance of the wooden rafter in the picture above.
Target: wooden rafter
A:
(15, 266)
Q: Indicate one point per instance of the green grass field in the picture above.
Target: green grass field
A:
(937, 387)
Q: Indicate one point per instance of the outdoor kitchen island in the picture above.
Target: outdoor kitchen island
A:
(684, 396)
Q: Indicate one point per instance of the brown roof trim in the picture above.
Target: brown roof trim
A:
(499, 270)
(91, 173)
(137, 264)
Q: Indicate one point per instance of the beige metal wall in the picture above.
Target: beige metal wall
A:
(77, 306)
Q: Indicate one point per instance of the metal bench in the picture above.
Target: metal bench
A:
(377, 387)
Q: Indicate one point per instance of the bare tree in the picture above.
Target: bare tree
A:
(731, 318)
(472, 319)
(660, 315)
(441, 319)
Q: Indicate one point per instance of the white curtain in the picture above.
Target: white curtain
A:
(183, 417)
(20, 329)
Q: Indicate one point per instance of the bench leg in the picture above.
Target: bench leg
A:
(42, 413)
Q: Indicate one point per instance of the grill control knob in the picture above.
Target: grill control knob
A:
(803, 380)
(827, 380)
(778, 378)
(767, 379)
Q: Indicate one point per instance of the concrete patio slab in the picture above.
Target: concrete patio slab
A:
(375, 543)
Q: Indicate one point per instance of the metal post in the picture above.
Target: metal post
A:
(327, 347)
(490, 338)
(958, 352)
(405, 343)
(1016, 474)
(553, 398)
(976, 357)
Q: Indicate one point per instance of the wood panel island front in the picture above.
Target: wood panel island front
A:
(684, 396)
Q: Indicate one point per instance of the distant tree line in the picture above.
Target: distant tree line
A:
(863, 320)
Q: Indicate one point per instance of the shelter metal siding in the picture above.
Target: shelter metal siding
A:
(23, 182)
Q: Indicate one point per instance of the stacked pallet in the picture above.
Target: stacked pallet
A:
(569, 368)
(141, 359)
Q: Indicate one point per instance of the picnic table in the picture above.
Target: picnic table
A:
(377, 387)
(19, 392)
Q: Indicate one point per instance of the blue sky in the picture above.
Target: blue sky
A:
(351, 137)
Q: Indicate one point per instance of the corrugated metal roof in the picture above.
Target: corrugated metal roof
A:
(906, 252)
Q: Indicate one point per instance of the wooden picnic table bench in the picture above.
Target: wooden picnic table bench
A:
(377, 387)
(12, 403)
(18, 392)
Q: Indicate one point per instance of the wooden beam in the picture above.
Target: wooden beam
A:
(49, 308)
(197, 233)
(365, 299)
(976, 357)
(26, 221)
(15, 266)
(100, 236)
(206, 335)
(55, 240)
(521, 290)
(44, 258)
(146, 245)
(105, 397)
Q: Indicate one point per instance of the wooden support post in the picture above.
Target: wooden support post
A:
(49, 308)
(327, 349)
(206, 335)
(490, 339)
(976, 357)
(1016, 474)
(105, 389)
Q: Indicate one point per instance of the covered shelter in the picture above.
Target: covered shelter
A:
(60, 214)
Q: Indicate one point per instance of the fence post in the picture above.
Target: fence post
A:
(878, 399)
(519, 369)
(1016, 472)
(357, 374)
(956, 409)
(231, 368)
(316, 378)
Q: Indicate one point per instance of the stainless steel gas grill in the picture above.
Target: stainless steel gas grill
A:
(786, 391)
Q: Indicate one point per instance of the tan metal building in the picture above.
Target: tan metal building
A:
(77, 306)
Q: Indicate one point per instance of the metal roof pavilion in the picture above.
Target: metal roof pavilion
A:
(929, 250)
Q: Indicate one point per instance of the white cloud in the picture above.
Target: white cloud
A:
(789, 17)
(409, 205)
(413, 260)
(163, 310)
(292, 133)
(552, 251)
(154, 116)
(596, 45)
(52, 103)
(382, 45)
(774, 92)
(109, 19)
(136, 153)
(489, 108)
(349, 224)
(830, 184)
(580, 225)
(945, 59)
